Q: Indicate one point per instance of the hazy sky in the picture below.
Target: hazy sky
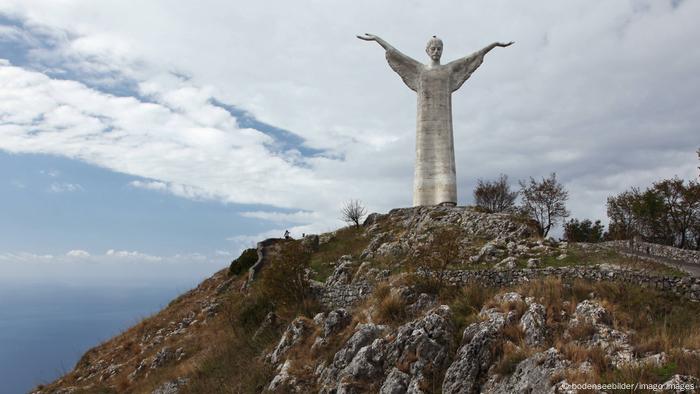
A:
(171, 132)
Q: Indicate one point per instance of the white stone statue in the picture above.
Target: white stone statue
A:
(435, 180)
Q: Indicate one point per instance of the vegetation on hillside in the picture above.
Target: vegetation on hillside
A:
(666, 213)
(219, 334)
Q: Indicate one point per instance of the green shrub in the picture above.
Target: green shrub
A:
(243, 262)
(284, 282)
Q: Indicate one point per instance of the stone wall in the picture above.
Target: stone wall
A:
(656, 250)
(688, 287)
(342, 295)
(345, 295)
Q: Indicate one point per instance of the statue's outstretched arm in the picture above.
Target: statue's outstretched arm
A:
(407, 67)
(379, 40)
(463, 68)
(488, 48)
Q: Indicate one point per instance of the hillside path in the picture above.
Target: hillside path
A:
(690, 268)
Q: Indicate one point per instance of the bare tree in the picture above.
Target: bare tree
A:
(544, 202)
(494, 196)
(435, 256)
(353, 211)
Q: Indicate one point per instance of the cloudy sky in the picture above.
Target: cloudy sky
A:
(173, 132)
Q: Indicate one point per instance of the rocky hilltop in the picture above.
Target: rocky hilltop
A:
(419, 300)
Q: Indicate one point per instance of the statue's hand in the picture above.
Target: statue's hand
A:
(500, 44)
(367, 37)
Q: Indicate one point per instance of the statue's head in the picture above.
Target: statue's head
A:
(434, 48)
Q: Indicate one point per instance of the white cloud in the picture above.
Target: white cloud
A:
(50, 173)
(65, 187)
(125, 254)
(112, 256)
(603, 93)
(281, 217)
(185, 191)
(26, 256)
(79, 267)
(78, 253)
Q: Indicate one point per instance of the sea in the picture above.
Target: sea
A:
(45, 328)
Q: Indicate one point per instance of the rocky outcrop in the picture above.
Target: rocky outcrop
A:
(533, 324)
(515, 344)
(400, 232)
(293, 335)
(475, 355)
(532, 375)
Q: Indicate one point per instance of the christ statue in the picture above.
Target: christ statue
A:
(435, 179)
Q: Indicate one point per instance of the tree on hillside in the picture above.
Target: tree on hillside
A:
(353, 211)
(436, 255)
(284, 280)
(667, 213)
(545, 202)
(583, 231)
(621, 214)
(494, 196)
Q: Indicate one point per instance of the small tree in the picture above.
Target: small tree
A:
(621, 214)
(435, 257)
(583, 231)
(494, 196)
(284, 280)
(667, 213)
(544, 202)
(353, 211)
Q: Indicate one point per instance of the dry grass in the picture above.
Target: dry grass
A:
(678, 362)
(511, 356)
(347, 241)
(386, 307)
(582, 331)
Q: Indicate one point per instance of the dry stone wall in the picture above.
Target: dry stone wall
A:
(656, 250)
(345, 295)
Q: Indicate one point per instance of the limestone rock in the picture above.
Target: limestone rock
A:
(364, 335)
(170, 387)
(591, 312)
(422, 304)
(294, 333)
(162, 357)
(396, 382)
(510, 297)
(532, 375)
(284, 382)
(336, 321)
(533, 324)
(682, 384)
(342, 274)
(533, 263)
(474, 357)
(422, 346)
(508, 263)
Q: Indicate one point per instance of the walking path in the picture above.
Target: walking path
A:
(690, 268)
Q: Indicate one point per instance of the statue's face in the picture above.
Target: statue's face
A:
(434, 51)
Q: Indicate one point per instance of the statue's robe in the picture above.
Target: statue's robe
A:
(435, 179)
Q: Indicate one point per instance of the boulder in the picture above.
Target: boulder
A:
(532, 375)
(473, 359)
(508, 263)
(295, 332)
(533, 324)
(533, 263)
(395, 383)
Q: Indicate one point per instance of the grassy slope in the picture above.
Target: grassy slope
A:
(222, 357)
